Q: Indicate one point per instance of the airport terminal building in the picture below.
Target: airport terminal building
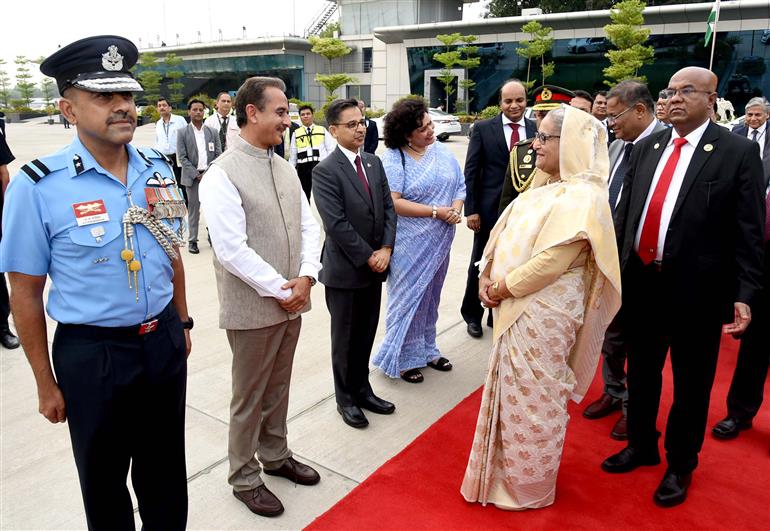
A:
(393, 43)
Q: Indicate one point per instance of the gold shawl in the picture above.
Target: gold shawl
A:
(549, 215)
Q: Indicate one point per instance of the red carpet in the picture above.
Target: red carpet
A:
(419, 487)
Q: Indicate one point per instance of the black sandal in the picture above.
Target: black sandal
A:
(441, 364)
(412, 376)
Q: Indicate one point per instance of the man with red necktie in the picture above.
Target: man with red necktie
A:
(690, 226)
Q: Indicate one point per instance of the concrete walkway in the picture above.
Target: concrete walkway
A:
(38, 481)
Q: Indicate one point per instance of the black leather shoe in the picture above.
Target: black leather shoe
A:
(8, 340)
(628, 459)
(376, 405)
(619, 431)
(672, 489)
(353, 416)
(474, 330)
(602, 407)
(193, 248)
(727, 428)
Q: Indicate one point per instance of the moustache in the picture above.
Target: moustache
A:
(123, 117)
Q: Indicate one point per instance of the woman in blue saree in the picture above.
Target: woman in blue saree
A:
(428, 189)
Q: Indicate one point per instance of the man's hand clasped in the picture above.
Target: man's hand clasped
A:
(379, 260)
(300, 294)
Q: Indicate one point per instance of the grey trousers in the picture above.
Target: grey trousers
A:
(614, 353)
(193, 209)
(262, 363)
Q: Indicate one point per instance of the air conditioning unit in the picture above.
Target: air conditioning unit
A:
(531, 12)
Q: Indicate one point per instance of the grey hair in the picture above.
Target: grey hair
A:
(758, 101)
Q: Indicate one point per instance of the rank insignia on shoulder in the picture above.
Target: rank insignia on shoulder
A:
(35, 170)
(78, 162)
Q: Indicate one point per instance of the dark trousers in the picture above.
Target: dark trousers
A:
(471, 308)
(354, 317)
(5, 305)
(657, 320)
(305, 174)
(125, 400)
(614, 361)
(748, 384)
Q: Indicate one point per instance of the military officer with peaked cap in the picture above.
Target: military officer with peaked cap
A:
(102, 220)
(521, 166)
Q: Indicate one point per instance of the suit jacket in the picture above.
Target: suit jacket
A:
(485, 165)
(355, 224)
(187, 151)
(617, 146)
(743, 130)
(713, 249)
(372, 139)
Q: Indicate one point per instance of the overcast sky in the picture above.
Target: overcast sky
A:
(38, 27)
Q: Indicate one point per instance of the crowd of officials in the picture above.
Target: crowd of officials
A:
(614, 224)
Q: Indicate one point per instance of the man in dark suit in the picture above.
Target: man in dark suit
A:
(747, 387)
(689, 223)
(485, 165)
(197, 146)
(372, 139)
(630, 114)
(354, 202)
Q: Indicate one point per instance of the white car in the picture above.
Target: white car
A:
(587, 45)
(445, 124)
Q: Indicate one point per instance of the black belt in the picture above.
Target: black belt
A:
(118, 332)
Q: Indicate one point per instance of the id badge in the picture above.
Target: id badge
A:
(211, 147)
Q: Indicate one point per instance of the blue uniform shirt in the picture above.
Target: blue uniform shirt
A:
(89, 281)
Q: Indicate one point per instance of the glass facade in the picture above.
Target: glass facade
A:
(211, 76)
(741, 60)
(360, 17)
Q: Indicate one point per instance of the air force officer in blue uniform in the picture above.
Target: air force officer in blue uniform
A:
(101, 219)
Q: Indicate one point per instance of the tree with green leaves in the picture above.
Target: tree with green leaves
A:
(46, 87)
(175, 74)
(628, 36)
(149, 77)
(537, 47)
(24, 84)
(5, 85)
(330, 28)
(330, 48)
(463, 56)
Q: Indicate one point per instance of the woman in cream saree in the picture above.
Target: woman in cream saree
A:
(551, 271)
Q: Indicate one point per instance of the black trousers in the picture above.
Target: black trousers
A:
(657, 320)
(748, 384)
(125, 400)
(354, 317)
(305, 174)
(471, 308)
(614, 352)
(5, 305)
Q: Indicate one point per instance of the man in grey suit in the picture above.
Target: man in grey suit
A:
(754, 127)
(631, 116)
(197, 146)
(353, 198)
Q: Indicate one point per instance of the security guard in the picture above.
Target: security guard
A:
(102, 220)
(521, 169)
(310, 144)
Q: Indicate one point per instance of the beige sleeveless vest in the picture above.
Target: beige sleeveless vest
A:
(270, 196)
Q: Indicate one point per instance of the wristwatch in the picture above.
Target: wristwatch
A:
(188, 324)
(312, 280)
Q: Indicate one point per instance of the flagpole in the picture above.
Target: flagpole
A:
(714, 38)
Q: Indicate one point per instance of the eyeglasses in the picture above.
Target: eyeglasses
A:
(685, 92)
(612, 119)
(543, 137)
(353, 124)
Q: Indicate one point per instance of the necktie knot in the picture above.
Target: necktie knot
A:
(679, 142)
(628, 149)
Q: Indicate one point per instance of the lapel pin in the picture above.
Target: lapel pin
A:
(368, 165)
(708, 147)
(656, 146)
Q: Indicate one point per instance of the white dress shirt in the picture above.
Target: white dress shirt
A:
(222, 207)
(200, 142)
(215, 122)
(165, 134)
(761, 132)
(352, 158)
(507, 130)
(676, 184)
(647, 132)
(325, 148)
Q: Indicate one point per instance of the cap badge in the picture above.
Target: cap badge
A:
(112, 60)
(546, 95)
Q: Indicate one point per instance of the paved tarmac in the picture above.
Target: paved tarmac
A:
(38, 481)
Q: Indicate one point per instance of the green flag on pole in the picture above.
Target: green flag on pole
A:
(710, 24)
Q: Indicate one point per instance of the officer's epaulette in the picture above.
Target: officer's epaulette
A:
(525, 142)
(150, 153)
(39, 168)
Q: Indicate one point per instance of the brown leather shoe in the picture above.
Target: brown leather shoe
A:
(619, 432)
(260, 501)
(296, 472)
(602, 407)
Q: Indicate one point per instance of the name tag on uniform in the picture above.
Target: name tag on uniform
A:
(211, 147)
(90, 212)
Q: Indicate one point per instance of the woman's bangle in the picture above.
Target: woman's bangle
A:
(435, 212)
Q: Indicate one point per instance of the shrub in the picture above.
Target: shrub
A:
(489, 112)
(150, 114)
